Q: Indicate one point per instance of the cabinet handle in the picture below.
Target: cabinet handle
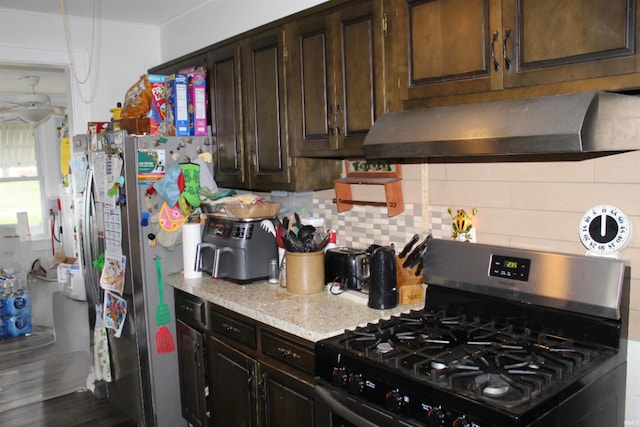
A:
(507, 36)
(494, 39)
(195, 355)
(230, 328)
(285, 353)
(262, 386)
(338, 117)
(254, 158)
(329, 117)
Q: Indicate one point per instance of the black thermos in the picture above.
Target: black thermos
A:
(383, 293)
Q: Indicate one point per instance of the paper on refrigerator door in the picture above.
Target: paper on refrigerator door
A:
(115, 312)
(112, 230)
(101, 355)
(112, 277)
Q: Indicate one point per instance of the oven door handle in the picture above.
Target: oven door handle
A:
(340, 409)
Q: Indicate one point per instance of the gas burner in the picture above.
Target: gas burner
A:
(492, 385)
(384, 347)
(435, 364)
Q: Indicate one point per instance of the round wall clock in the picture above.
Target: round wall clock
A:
(604, 230)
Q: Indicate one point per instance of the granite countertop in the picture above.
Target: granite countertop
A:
(311, 317)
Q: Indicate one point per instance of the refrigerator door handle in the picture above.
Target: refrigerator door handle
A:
(89, 215)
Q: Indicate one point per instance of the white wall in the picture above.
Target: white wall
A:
(222, 19)
(122, 53)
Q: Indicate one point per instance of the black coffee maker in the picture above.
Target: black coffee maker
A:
(383, 293)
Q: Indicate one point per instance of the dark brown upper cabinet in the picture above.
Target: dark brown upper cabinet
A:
(266, 138)
(549, 41)
(445, 48)
(225, 104)
(337, 90)
(270, 155)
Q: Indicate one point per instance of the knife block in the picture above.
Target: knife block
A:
(410, 286)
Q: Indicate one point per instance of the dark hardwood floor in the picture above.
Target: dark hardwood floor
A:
(75, 409)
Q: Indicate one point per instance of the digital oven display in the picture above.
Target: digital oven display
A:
(510, 267)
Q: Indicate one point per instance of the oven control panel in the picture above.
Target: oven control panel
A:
(404, 407)
(510, 267)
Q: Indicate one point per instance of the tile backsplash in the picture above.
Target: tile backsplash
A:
(364, 225)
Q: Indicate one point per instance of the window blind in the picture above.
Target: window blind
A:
(17, 146)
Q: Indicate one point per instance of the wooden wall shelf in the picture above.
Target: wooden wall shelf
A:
(392, 189)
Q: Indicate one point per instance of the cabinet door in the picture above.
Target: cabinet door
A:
(559, 40)
(446, 47)
(192, 374)
(337, 79)
(359, 98)
(226, 116)
(233, 385)
(311, 85)
(288, 401)
(266, 130)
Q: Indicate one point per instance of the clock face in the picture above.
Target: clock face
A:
(604, 229)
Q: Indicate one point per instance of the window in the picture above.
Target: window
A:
(20, 180)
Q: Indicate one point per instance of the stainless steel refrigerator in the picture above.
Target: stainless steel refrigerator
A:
(144, 383)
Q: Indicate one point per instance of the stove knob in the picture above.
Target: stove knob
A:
(393, 400)
(356, 384)
(461, 421)
(436, 417)
(339, 376)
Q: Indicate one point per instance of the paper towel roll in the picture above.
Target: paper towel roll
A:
(191, 237)
(22, 228)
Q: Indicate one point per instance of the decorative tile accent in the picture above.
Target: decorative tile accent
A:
(440, 222)
(365, 225)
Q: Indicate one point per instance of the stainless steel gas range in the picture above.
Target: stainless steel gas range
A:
(507, 337)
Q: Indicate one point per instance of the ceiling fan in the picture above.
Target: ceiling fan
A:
(34, 108)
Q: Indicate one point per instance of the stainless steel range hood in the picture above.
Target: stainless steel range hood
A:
(588, 122)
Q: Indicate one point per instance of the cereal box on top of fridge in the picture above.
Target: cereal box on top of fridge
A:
(198, 104)
(197, 99)
(157, 112)
(177, 105)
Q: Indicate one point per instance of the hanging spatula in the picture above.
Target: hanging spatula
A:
(164, 339)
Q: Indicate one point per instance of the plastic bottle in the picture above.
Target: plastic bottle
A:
(116, 116)
(19, 300)
(3, 328)
(333, 240)
(3, 298)
(3, 312)
(18, 326)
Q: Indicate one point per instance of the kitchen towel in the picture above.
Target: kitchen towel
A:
(191, 237)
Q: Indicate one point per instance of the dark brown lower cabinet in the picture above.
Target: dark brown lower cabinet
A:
(233, 383)
(191, 363)
(248, 392)
(288, 401)
(235, 371)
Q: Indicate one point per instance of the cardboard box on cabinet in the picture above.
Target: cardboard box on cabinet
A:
(176, 89)
(197, 98)
(136, 126)
(157, 111)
